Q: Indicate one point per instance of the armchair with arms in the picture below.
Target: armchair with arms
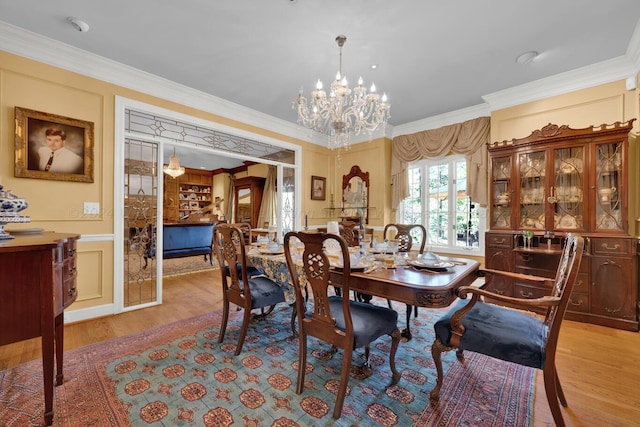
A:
(512, 335)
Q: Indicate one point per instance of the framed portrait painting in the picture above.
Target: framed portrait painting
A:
(318, 188)
(48, 146)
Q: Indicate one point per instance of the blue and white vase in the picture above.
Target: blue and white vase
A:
(10, 204)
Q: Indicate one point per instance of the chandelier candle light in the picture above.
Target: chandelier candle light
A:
(345, 112)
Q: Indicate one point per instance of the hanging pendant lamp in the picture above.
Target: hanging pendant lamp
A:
(174, 169)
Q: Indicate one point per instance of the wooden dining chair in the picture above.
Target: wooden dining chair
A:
(405, 243)
(348, 232)
(404, 235)
(246, 232)
(246, 292)
(511, 335)
(341, 322)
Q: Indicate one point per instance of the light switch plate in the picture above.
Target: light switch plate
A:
(91, 208)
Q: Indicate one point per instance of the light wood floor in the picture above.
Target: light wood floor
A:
(599, 367)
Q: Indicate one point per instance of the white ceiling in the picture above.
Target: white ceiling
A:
(433, 57)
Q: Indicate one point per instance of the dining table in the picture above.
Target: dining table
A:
(420, 287)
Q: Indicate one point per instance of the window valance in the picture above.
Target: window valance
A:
(468, 138)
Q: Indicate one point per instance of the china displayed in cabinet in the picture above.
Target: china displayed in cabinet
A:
(560, 180)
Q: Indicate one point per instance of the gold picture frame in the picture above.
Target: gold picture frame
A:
(318, 188)
(48, 146)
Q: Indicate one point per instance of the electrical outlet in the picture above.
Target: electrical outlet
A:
(91, 208)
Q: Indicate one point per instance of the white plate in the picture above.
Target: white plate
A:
(269, 252)
(568, 222)
(435, 264)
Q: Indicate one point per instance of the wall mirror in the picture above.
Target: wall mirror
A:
(355, 195)
(244, 205)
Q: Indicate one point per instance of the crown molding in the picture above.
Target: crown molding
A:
(633, 50)
(441, 120)
(33, 46)
(592, 75)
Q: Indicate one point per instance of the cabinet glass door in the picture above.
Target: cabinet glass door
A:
(532, 190)
(567, 193)
(501, 193)
(608, 215)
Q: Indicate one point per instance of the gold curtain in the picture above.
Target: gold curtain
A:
(231, 196)
(468, 138)
(269, 205)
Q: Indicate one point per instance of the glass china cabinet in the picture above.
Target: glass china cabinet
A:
(560, 180)
(568, 187)
(532, 190)
(501, 175)
(608, 175)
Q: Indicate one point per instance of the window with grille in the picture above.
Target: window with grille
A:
(438, 199)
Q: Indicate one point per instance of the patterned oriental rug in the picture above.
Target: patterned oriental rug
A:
(178, 375)
(175, 266)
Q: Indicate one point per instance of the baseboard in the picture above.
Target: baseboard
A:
(71, 316)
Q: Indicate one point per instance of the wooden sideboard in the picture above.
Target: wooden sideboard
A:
(37, 282)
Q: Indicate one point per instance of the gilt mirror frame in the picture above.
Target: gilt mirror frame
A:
(356, 172)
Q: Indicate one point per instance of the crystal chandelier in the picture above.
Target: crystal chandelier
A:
(173, 169)
(345, 112)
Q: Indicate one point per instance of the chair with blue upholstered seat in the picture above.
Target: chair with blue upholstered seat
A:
(341, 322)
(512, 335)
(246, 231)
(238, 287)
(405, 235)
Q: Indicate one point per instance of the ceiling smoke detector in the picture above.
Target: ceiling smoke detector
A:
(527, 57)
(78, 24)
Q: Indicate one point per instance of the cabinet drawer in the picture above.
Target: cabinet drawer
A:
(500, 286)
(582, 283)
(500, 240)
(69, 292)
(578, 302)
(70, 248)
(611, 246)
(538, 261)
(530, 292)
(69, 270)
(535, 271)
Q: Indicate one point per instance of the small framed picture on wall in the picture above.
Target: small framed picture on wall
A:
(318, 188)
(48, 146)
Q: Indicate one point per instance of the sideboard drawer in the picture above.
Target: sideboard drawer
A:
(539, 261)
(582, 283)
(500, 240)
(530, 292)
(611, 246)
(578, 302)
